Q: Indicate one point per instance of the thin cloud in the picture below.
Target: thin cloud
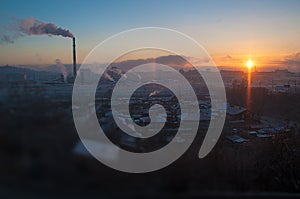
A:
(292, 62)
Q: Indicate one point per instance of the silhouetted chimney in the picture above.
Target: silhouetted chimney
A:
(74, 58)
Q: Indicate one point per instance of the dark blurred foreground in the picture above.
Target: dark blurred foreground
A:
(38, 137)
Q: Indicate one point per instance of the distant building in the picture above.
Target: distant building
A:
(235, 112)
(236, 139)
(282, 88)
(282, 73)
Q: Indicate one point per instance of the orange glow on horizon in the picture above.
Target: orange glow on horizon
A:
(261, 61)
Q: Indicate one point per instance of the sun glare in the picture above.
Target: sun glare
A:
(249, 64)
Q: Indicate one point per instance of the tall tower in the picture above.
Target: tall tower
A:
(74, 58)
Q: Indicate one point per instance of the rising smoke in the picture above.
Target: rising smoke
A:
(62, 69)
(31, 26)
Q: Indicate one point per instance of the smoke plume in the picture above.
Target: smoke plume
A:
(62, 69)
(32, 26)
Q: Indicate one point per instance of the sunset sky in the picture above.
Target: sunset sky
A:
(268, 32)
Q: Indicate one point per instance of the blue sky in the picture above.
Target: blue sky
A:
(224, 27)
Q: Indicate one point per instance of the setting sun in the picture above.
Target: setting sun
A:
(249, 64)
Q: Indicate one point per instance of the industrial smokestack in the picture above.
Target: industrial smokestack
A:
(74, 58)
